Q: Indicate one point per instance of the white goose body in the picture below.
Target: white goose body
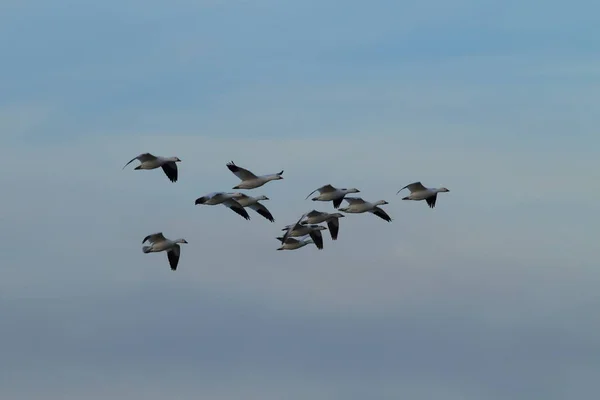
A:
(330, 193)
(250, 180)
(293, 244)
(159, 243)
(419, 192)
(227, 199)
(356, 205)
(149, 161)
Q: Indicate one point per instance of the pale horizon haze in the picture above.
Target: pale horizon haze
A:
(491, 295)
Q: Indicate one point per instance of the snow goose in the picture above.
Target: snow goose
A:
(330, 193)
(149, 161)
(299, 229)
(288, 231)
(293, 244)
(226, 199)
(420, 192)
(249, 180)
(160, 243)
(357, 205)
(253, 203)
(333, 221)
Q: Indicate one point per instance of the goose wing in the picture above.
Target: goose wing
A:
(262, 210)
(173, 256)
(334, 226)
(431, 200)
(317, 238)
(237, 208)
(413, 187)
(170, 169)
(240, 172)
(313, 213)
(323, 189)
(142, 158)
(381, 214)
(354, 200)
(154, 237)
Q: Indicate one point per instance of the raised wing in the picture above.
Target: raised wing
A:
(142, 158)
(154, 237)
(413, 187)
(262, 210)
(240, 172)
(323, 189)
(170, 169)
(287, 233)
(173, 256)
(354, 200)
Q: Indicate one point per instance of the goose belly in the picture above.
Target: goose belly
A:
(421, 195)
(329, 196)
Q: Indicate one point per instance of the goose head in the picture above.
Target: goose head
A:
(317, 227)
(443, 189)
(351, 190)
(381, 203)
(181, 241)
(262, 197)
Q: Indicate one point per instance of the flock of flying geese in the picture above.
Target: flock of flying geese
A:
(295, 235)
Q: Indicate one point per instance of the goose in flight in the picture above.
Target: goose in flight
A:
(160, 243)
(420, 192)
(249, 180)
(253, 203)
(293, 244)
(333, 221)
(357, 205)
(226, 199)
(330, 193)
(299, 229)
(149, 161)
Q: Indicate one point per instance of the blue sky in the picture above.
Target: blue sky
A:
(492, 295)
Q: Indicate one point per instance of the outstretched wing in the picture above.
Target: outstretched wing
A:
(354, 200)
(381, 214)
(323, 189)
(317, 238)
(170, 169)
(237, 208)
(431, 200)
(413, 187)
(142, 158)
(154, 237)
(240, 172)
(262, 210)
(173, 256)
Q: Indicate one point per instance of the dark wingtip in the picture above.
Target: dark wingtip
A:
(200, 200)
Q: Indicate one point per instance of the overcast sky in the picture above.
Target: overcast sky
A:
(491, 295)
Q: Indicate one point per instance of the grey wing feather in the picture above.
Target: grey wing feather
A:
(413, 187)
(142, 157)
(154, 237)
